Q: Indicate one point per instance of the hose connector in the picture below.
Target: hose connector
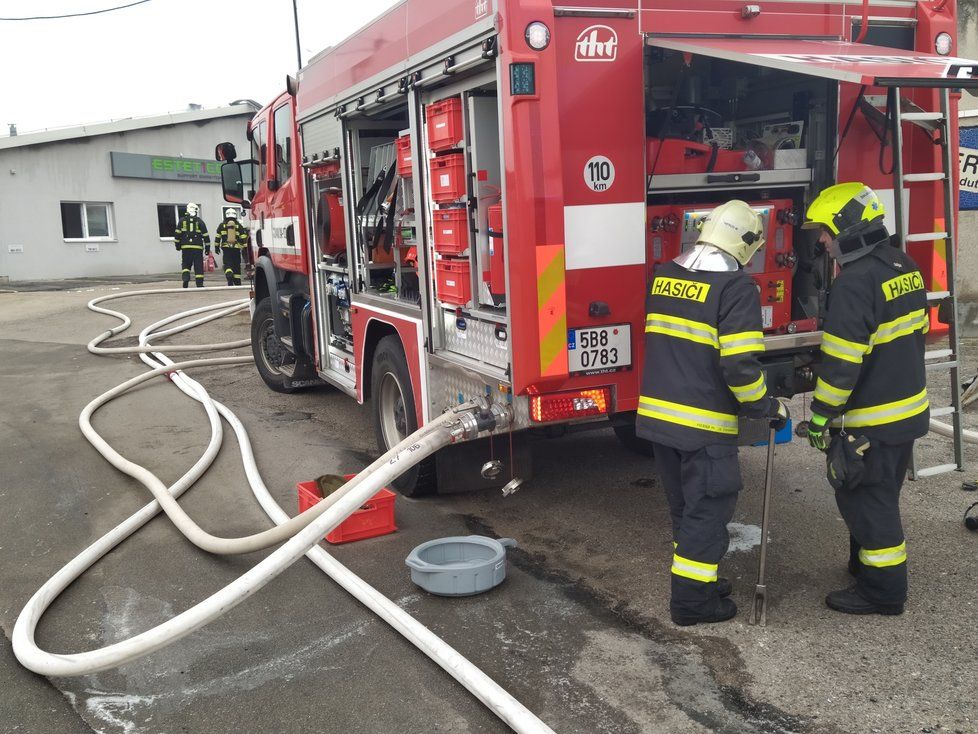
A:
(484, 416)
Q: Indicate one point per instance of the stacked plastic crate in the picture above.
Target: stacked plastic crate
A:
(450, 217)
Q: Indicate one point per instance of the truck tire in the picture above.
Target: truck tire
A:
(625, 431)
(395, 416)
(276, 364)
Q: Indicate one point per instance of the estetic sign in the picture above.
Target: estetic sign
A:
(167, 168)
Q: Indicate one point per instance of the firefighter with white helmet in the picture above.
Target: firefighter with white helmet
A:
(702, 337)
(231, 239)
(872, 386)
(191, 240)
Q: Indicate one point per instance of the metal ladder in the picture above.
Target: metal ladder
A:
(935, 359)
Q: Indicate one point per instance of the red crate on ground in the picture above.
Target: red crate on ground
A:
(451, 231)
(404, 163)
(454, 281)
(447, 177)
(445, 124)
(375, 517)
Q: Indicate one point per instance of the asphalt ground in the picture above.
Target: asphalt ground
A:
(579, 632)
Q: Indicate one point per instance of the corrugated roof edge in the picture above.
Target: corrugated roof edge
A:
(126, 125)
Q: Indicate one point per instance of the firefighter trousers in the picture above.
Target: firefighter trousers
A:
(701, 488)
(232, 265)
(192, 258)
(872, 514)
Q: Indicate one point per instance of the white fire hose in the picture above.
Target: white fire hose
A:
(302, 533)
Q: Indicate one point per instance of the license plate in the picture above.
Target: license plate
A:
(600, 349)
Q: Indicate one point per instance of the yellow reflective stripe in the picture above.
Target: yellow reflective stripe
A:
(739, 343)
(191, 247)
(749, 393)
(706, 572)
(835, 346)
(883, 557)
(696, 331)
(687, 415)
(830, 394)
(878, 415)
(907, 324)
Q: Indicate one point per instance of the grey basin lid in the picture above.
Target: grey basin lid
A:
(458, 553)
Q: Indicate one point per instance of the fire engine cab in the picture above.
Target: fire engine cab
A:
(468, 197)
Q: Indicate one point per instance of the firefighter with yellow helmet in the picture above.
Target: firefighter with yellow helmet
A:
(702, 337)
(871, 387)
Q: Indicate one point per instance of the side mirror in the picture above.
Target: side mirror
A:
(232, 183)
(225, 152)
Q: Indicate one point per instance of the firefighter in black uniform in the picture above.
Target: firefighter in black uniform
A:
(231, 239)
(702, 337)
(190, 239)
(871, 384)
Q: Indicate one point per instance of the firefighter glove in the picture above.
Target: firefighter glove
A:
(780, 416)
(217, 249)
(207, 249)
(817, 430)
(177, 245)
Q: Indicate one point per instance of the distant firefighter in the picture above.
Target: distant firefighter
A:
(232, 238)
(191, 240)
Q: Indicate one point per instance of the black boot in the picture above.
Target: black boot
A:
(186, 283)
(725, 609)
(850, 601)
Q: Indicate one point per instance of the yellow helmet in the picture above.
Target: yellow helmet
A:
(735, 228)
(844, 209)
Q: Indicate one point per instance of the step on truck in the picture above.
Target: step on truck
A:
(468, 197)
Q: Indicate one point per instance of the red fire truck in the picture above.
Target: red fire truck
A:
(467, 197)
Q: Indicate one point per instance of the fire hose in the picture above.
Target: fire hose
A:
(302, 534)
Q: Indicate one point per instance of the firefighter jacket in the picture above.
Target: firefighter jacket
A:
(232, 234)
(702, 337)
(872, 378)
(191, 233)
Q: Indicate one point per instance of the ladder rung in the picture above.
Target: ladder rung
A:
(938, 295)
(926, 236)
(913, 177)
(938, 412)
(938, 353)
(941, 365)
(939, 469)
(921, 116)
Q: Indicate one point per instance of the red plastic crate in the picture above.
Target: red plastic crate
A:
(454, 281)
(445, 124)
(375, 517)
(451, 231)
(404, 163)
(447, 178)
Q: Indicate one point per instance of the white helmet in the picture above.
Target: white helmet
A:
(231, 213)
(192, 209)
(734, 228)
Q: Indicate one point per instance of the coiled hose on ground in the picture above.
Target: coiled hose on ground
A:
(301, 534)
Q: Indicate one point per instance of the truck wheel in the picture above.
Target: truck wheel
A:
(276, 364)
(625, 431)
(395, 417)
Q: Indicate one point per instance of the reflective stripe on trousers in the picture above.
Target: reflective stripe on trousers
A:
(690, 569)
(884, 557)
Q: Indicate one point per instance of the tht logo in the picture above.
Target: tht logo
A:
(481, 8)
(596, 43)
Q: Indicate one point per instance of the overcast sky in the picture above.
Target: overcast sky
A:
(156, 57)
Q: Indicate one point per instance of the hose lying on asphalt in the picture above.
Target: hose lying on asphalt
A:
(305, 536)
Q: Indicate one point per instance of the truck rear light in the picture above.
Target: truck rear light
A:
(561, 406)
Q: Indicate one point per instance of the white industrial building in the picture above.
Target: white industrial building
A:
(103, 199)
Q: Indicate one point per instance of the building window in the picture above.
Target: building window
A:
(86, 220)
(283, 144)
(168, 215)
